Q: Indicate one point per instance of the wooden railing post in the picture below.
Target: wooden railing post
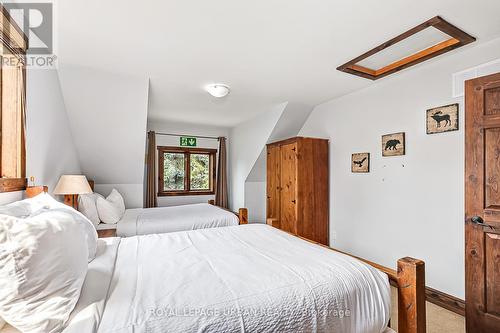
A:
(243, 215)
(411, 296)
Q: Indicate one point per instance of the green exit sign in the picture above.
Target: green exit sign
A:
(187, 141)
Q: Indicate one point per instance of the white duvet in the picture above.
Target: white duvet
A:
(250, 278)
(144, 221)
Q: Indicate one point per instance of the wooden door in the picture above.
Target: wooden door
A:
(273, 184)
(482, 204)
(288, 187)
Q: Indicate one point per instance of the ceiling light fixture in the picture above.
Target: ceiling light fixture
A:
(217, 90)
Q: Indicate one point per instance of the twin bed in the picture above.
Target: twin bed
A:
(144, 221)
(238, 278)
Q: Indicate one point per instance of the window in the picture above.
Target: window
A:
(12, 105)
(186, 171)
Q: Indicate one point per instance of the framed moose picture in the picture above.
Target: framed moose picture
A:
(360, 163)
(442, 119)
(393, 144)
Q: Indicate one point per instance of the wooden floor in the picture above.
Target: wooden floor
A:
(439, 320)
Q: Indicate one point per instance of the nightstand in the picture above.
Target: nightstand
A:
(106, 230)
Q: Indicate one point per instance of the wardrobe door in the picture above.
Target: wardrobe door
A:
(273, 184)
(289, 187)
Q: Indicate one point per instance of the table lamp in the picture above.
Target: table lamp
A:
(71, 186)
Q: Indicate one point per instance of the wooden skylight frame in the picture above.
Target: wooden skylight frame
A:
(458, 38)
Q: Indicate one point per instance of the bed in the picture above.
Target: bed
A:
(143, 221)
(251, 278)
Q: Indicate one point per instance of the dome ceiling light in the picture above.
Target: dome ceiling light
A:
(218, 90)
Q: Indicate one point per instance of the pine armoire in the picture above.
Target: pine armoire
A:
(298, 187)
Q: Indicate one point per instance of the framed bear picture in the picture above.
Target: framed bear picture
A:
(442, 119)
(393, 144)
(360, 163)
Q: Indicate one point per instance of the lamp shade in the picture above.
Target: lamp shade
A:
(72, 184)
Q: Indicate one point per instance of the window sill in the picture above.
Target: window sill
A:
(12, 184)
(184, 193)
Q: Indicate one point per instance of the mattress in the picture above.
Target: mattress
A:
(250, 278)
(144, 221)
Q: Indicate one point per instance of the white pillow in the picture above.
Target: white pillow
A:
(43, 263)
(43, 203)
(86, 227)
(87, 205)
(26, 207)
(112, 208)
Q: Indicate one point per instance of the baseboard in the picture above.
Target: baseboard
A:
(446, 301)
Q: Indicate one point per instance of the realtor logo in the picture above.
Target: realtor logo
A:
(36, 21)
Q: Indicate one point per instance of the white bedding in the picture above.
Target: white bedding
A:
(90, 306)
(250, 278)
(144, 221)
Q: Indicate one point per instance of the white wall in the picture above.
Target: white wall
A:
(108, 115)
(291, 120)
(247, 141)
(50, 150)
(255, 201)
(406, 206)
(173, 141)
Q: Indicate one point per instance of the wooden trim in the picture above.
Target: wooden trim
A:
(418, 56)
(12, 184)
(14, 39)
(446, 301)
(458, 38)
(187, 149)
(183, 193)
(187, 170)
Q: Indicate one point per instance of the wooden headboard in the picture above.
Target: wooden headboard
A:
(33, 191)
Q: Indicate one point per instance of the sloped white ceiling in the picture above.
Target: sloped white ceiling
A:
(108, 115)
(267, 51)
(245, 145)
(288, 125)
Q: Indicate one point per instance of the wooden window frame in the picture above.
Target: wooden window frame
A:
(15, 41)
(187, 170)
(458, 38)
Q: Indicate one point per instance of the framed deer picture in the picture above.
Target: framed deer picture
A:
(360, 163)
(442, 119)
(393, 144)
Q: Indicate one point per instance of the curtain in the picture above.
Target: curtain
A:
(221, 186)
(151, 171)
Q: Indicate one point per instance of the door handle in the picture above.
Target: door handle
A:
(477, 220)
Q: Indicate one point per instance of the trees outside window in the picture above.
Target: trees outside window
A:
(186, 171)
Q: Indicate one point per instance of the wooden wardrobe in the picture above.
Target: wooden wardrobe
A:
(298, 187)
